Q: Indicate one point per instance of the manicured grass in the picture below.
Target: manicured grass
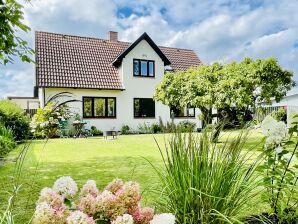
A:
(83, 159)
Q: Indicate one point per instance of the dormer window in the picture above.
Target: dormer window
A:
(143, 68)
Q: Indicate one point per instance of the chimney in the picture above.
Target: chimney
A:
(113, 36)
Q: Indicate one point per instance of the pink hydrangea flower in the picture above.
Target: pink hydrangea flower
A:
(45, 214)
(142, 215)
(129, 195)
(87, 204)
(51, 197)
(79, 217)
(115, 185)
(89, 188)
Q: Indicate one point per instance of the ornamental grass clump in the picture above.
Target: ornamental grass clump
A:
(118, 203)
(207, 182)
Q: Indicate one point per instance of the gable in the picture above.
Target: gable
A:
(117, 62)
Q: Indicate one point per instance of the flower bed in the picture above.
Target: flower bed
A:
(118, 203)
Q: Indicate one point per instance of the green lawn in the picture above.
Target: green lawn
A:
(83, 159)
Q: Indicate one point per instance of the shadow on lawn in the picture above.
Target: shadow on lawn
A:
(102, 170)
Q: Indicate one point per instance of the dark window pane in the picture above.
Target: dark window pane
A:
(87, 107)
(178, 112)
(136, 67)
(151, 68)
(183, 112)
(144, 108)
(99, 107)
(111, 108)
(144, 68)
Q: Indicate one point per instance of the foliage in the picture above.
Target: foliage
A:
(280, 170)
(7, 142)
(45, 123)
(205, 182)
(167, 127)
(186, 126)
(125, 129)
(13, 117)
(156, 128)
(224, 86)
(118, 203)
(95, 131)
(145, 128)
(280, 114)
(11, 17)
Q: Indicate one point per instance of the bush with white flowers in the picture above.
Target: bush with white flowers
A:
(280, 169)
(118, 203)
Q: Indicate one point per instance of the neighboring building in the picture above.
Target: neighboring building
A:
(115, 81)
(25, 102)
(289, 100)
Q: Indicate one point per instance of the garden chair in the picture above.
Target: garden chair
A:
(64, 130)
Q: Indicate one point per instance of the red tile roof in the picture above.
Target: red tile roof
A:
(83, 62)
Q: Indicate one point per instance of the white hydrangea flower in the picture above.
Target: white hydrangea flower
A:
(65, 186)
(278, 150)
(275, 131)
(79, 217)
(165, 218)
(124, 219)
(287, 157)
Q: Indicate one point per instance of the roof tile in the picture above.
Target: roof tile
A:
(83, 62)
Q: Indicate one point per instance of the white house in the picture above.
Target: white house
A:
(114, 81)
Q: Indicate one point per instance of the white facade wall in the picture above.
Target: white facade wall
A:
(135, 87)
(26, 103)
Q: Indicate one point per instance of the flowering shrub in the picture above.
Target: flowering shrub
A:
(45, 123)
(281, 172)
(118, 203)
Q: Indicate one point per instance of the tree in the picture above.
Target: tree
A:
(11, 17)
(224, 86)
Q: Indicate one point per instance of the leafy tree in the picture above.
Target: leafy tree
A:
(11, 17)
(224, 86)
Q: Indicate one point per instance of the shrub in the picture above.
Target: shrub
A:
(156, 128)
(186, 126)
(280, 114)
(95, 131)
(45, 123)
(13, 117)
(167, 127)
(118, 203)
(125, 129)
(144, 128)
(204, 182)
(7, 142)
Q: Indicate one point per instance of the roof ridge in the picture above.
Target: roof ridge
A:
(83, 37)
(106, 40)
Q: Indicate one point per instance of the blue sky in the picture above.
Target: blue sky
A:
(218, 30)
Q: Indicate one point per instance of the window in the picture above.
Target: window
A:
(144, 108)
(143, 68)
(99, 107)
(185, 112)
